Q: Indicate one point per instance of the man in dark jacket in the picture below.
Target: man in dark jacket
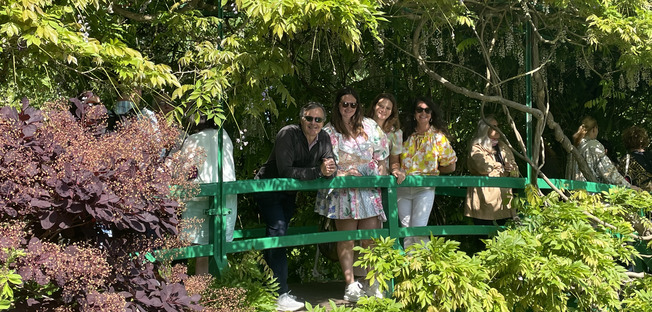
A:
(301, 152)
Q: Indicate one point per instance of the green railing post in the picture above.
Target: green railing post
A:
(392, 212)
(528, 100)
(218, 261)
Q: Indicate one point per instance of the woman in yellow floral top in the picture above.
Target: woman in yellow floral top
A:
(426, 151)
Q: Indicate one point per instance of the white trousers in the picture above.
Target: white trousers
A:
(414, 207)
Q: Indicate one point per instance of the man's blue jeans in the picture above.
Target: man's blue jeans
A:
(276, 209)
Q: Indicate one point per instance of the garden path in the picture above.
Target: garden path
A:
(319, 293)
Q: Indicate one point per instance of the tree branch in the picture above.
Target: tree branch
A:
(636, 274)
(143, 18)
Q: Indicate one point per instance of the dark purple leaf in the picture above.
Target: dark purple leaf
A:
(76, 208)
(29, 131)
(25, 103)
(65, 221)
(62, 189)
(49, 219)
(31, 302)
(38, 203)
(137, 226)
(9, 112)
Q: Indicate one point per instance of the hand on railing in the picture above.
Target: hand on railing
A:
(399, 174)
(328, 167)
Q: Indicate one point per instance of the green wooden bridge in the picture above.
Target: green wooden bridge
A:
(249, 239)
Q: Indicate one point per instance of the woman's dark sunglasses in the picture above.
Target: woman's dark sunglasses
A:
(421, 110)
(316, 119)
(346, 104)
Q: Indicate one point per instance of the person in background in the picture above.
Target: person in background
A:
(609, 151)
(594, 154)
(301, 152)
(489, 156)
(426, 151)
(205, 136)
(361, 148)
(384, 111)
(636, 166)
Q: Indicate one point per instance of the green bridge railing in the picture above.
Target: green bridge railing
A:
(248, 239)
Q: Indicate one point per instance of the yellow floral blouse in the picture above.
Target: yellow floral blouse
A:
(424, 153)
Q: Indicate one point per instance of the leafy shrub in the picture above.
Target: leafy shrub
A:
(249, 271)
(92, 204)
(566, 251)
(365, 304)
(435, 276)
(637, 296)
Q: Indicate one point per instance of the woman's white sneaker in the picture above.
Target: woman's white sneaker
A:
(287, 302)
(353, 292)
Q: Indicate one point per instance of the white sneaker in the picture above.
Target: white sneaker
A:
(353, 292)
(287, 302)
(374, 290)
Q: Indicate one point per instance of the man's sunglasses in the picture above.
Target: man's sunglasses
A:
(346, 104)
(316, 119)
(421, 110)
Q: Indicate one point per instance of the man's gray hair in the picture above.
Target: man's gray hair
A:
(311, 105)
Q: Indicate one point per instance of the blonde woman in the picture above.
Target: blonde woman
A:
(491, 157)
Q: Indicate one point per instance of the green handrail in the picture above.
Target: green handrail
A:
(218, 248)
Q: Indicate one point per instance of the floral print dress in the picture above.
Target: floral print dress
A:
(362, 153)
(424, 153)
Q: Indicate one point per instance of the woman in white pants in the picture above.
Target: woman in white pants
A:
(426, 151)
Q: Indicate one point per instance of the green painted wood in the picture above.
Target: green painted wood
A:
(297, 236)
(302, 239)
(260, 232)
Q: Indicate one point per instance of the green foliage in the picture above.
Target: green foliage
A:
(249, 271)
(8, 277)
(42, 40)
(365, 304)
(432, 277)
(561, 253)
(333, 307)
(373, 304)
(638, 296)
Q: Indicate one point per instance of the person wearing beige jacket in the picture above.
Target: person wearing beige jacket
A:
(490, 157)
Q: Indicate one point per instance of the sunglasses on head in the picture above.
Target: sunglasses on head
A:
(316, 119)
(421, 110)
(346, 104)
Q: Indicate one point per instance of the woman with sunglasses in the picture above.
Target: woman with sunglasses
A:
(360, 148)
(384, 112)
(426, 151)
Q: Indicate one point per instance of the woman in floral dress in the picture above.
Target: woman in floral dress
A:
(360, 148)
